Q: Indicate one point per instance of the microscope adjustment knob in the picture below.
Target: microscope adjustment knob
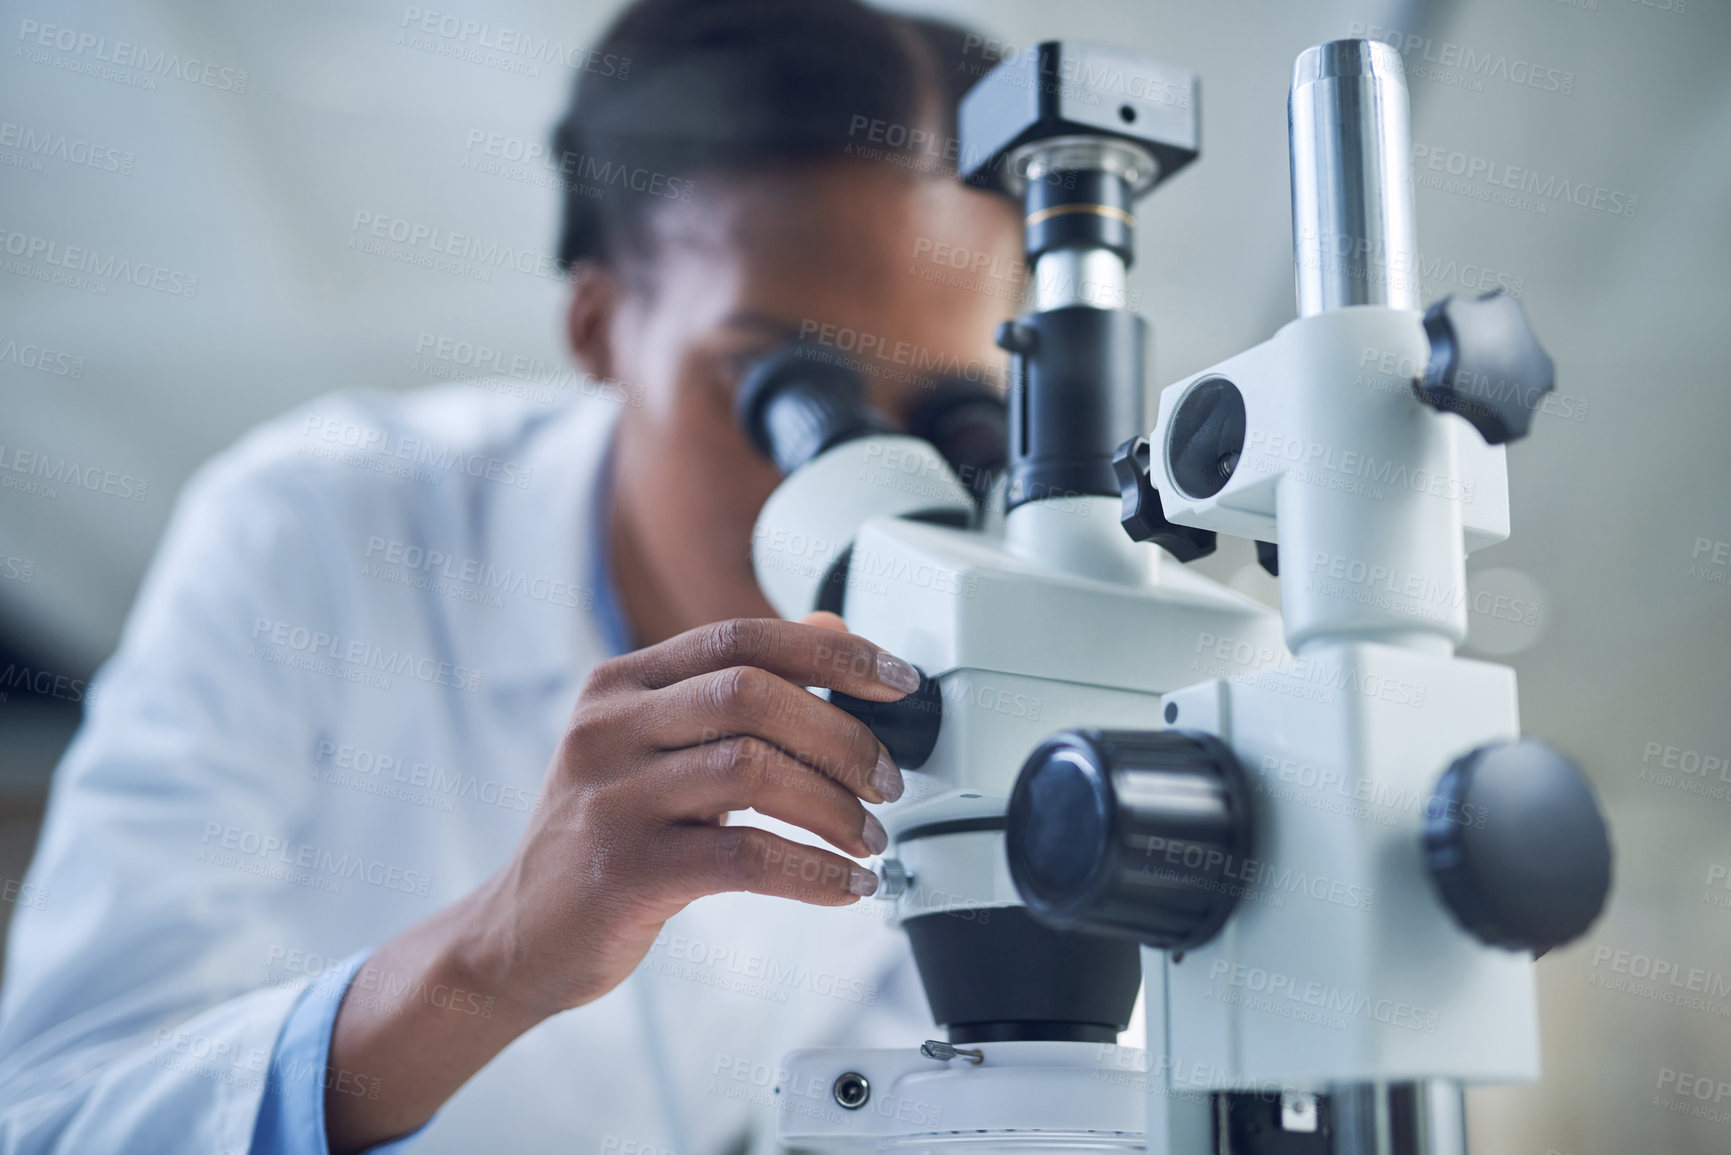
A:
(1486, 364)
(907, 727)
(1516, 846)
(1131, 833)
(1142, 517)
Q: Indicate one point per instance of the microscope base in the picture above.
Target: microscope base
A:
(1070, 1097)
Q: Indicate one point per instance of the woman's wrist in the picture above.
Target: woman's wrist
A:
(432, 1006)
(481, 951)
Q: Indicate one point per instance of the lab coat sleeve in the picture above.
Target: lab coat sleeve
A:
(137, 1013)
(291, 1119)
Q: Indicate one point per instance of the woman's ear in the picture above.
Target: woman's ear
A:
(589, 321)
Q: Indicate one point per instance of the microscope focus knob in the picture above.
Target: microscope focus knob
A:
(1486, 364)
(1132, 833)
(1142, 517)
(908, 727)
(1516, 846)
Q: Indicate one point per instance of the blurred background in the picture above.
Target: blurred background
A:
(235, 195)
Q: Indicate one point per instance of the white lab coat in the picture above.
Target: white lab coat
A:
(313, 736)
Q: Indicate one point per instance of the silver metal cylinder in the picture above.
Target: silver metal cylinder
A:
(1353, 237)
(1078, 276)
(1424, 1118)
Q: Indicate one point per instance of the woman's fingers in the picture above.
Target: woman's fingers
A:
(745, 773)
(802, 653)
(747, 700)
(713, 859)
(825, 619)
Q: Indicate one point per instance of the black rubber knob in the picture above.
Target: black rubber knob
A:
(1137, 834)
(1486, 364)
(1517, 847)
(802, 399)
(907, 727)
(1142, 517)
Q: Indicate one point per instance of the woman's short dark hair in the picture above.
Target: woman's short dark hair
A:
(679, 89)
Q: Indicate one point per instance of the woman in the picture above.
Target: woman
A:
(361, 731)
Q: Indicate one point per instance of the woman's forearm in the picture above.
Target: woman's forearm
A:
(421, 1017)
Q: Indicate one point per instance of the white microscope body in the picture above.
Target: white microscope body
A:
(1259, 799)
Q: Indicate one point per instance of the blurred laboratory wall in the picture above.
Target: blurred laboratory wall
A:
(236, 191)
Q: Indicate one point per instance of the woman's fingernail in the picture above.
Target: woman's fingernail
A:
(862, 882)
(887, 778)
(897, 674)
(874, 835)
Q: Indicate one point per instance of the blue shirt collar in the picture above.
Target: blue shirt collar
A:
(609, 618)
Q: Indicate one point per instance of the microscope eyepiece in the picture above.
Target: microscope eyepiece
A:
(969, 425)
(802, 399)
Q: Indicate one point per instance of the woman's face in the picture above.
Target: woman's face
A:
(861, 257)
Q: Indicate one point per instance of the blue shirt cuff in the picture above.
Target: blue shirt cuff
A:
(291, 1117)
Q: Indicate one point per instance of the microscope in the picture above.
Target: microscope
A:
(1316, 840)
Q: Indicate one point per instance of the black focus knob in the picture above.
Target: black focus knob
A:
(907, 727)
(1137, 834)
(1516, 846)
(1142, 517)
(802, 399)
(1486, 364)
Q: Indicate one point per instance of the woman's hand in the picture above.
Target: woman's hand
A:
(631, 825)
(663, 744)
